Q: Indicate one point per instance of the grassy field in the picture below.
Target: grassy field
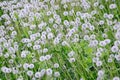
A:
(58, 40)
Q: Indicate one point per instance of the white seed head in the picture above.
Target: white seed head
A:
(37, 75)
(56, 65)
(49, 72)
(42, 58)
(29, 73)
(56, 74)
(116, 78)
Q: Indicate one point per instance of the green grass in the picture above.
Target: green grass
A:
(83, 67)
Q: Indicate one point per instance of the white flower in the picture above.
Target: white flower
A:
(43, 37)
(109, 22)
(50, 35)
(93, 12)
(117, 43)
(41, 25)
(44, 33)
(34, 60)
(101, 22)
(11, 50)
(110, 60)
(49, 72)
(99, 78)
(29, 44)
(78, 13)
(13, 56)
(37, 75)
(102, 43)
(98, 54)
(72, 23)
(4, 69)
(110, 16)
(71, 60)
(56, 74)
(47, 57)
(32, 27)
(65, 6)
(49, 13)
(55, 16)
(66, 23)
(92, 36)
(95, 59)
(93, 43)
(42, 72)
(100, 73)
(73, 4)
(9, 70)
(56, 41)
(114, 49)
(20, 78)
(86, 37)
(31, 66)
(51, 20)
(65, 43)
(25, 65)
(45, 50)
(116, 78)
(25, 40)
(117, 36)
(100, 49)
(48, 29)
(105, 15)
(91, 28)
(56, 65)
(116, 26)
(65, 13)
(117, 57)
(42, 58)
(104, 35)
(101, 6)
(33, 78)
(29, 73)
(23, 55)
(98, 63)
(6, 55)
(15, 71)
(96, 4)
(30, 32)
(36, 47)
(14, 33)
(71, 54)
(58, 21)
(112, 6)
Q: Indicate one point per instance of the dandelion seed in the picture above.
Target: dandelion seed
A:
(116, 78)
(37, 75)
(56, 74)
(114, 49)
(42, 58)
(30, 73)
(100, 73)
(31, 66)
(71, 60)
(112, 6)
(49, 72)
(99, 63)
(56, 65)
(110, 60)
(70, 54)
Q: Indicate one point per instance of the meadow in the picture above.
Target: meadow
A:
(60, 40)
